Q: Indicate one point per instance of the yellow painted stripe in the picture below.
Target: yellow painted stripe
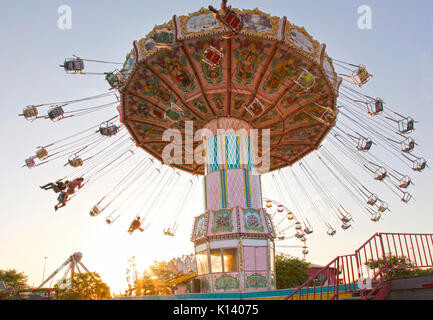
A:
(304, 297)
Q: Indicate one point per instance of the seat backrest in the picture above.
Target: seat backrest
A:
(78, 65)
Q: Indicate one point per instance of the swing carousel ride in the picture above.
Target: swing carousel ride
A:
(235, 69)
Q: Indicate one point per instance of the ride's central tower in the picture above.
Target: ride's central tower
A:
(234, 238)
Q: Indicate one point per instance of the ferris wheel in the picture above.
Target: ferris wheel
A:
(291, 232)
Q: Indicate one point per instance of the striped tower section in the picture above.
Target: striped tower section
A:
(235, 226)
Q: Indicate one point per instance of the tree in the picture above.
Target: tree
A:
(155, 281)
(131, 275)
(12, 278)
(290, 272)
(84, 286)
(401, 266)
(149, 284)
(144, 285)
(14, 282)
(161, 270)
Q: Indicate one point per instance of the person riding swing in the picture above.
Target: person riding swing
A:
(57, 186)
(62, 199)
(135, 224)
(76, 183)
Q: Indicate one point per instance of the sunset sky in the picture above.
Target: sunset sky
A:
(398, 51)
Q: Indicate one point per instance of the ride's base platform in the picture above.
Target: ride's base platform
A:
(256, 295)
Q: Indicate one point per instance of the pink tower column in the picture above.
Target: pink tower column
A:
(234, 238)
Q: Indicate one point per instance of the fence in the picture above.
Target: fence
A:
(367, 272)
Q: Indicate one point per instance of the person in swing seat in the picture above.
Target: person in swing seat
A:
(76, 183)
(57, 186)
(62, 199)
(135, 224)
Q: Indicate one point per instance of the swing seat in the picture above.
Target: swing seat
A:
(168, 232)
(376, 107)
(132, 229)
(406, 197)
(305, 252)
(376, 217)
(419, 165)
(347, 218)
(406, 125)
(30, 163)
(255, 108)
(108, 130)
(299, 235)
(109, 220)
(73, 65)
(232, 20)
(380, 174)
(56, 113)
(41, 153)
(281, 237)
(213, 57)
(363, 75)
(380, 177)
(405, 182)
(114, 79)
(95, 211)
(360, 76)
(61, 197)
(372, 200)
(136, 224)
(345, 226)
(30, 112)
(290, 217)
(308, 230)
(364, 144)
(331, 232)
(328, 117)
(75, 162)
(306, 80)
(407, 145)
(383, 207)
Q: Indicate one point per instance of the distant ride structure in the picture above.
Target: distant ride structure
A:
(71, 266)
